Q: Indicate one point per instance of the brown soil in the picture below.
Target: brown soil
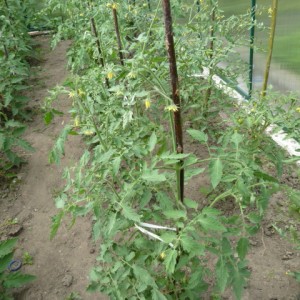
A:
(62, 265)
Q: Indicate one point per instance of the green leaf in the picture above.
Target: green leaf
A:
(97, 230)
(226, 247)
(221, 274)
(15, 280)
(152, 142)
(169, 236)
(4, 261)
(265, 177)
(153, 176)
(13, 123)
(254, 218)
(198, 135)
(189, 173)
(191, 246)
(175, 214)
(170, 261)
(174, 156)
(7, 246)
(164, 201)
(130, 214)
(210, 223)
(145, 199)
(116, 165)
(216, 172)
(60, 201)
(238, 284)
(237, 139)
(56, 221)
(190, 203)
(2, 140)
(242, 247)
(48, 117)
(111, 222)
(157, 295)
(142, 275)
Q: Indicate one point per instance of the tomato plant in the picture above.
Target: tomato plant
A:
(133, 86)
(16, 49)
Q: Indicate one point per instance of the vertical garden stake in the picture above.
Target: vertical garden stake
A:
(271, 44)
(211, 49)
(95, 32)
(175, 90)
(101, 59)
(251, 54)
(114, 9)
(5, 52)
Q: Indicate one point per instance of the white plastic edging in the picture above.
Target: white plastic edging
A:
(280, 138)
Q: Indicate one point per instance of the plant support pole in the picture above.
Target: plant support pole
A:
(101, 59)
(114, 9)
(271, 45)
(175, 91)
(211, 50)
(251, 54)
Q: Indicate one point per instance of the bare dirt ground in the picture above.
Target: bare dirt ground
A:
(62, 265)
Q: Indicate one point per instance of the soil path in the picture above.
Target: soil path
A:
(61, 265)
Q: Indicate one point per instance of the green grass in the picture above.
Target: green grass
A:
(287, 40)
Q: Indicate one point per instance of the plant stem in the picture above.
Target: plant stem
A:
(271, 45)
(175, 93)
(6, 52)
(149, 31)
(118, 36)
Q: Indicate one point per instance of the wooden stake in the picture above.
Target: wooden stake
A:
(271, 45)
(118, 35)
(175, 88)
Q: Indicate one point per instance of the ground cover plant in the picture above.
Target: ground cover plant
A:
(10, 277)
(137, 103)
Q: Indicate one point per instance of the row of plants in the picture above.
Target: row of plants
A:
(15, 52)
(137, 102)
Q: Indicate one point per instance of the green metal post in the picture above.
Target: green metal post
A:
(251, 56)
(198, 6)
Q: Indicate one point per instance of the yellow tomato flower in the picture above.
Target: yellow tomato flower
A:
(298, 109)
(72, 94)
(114, 6)
(162, 255)
(76, 121)
(110, 75)
(80, 92)
(147, 103)
(171, 107)
(131, 74)
(270, 11)
(88, 132)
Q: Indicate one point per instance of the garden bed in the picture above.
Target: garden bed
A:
(62, 266)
